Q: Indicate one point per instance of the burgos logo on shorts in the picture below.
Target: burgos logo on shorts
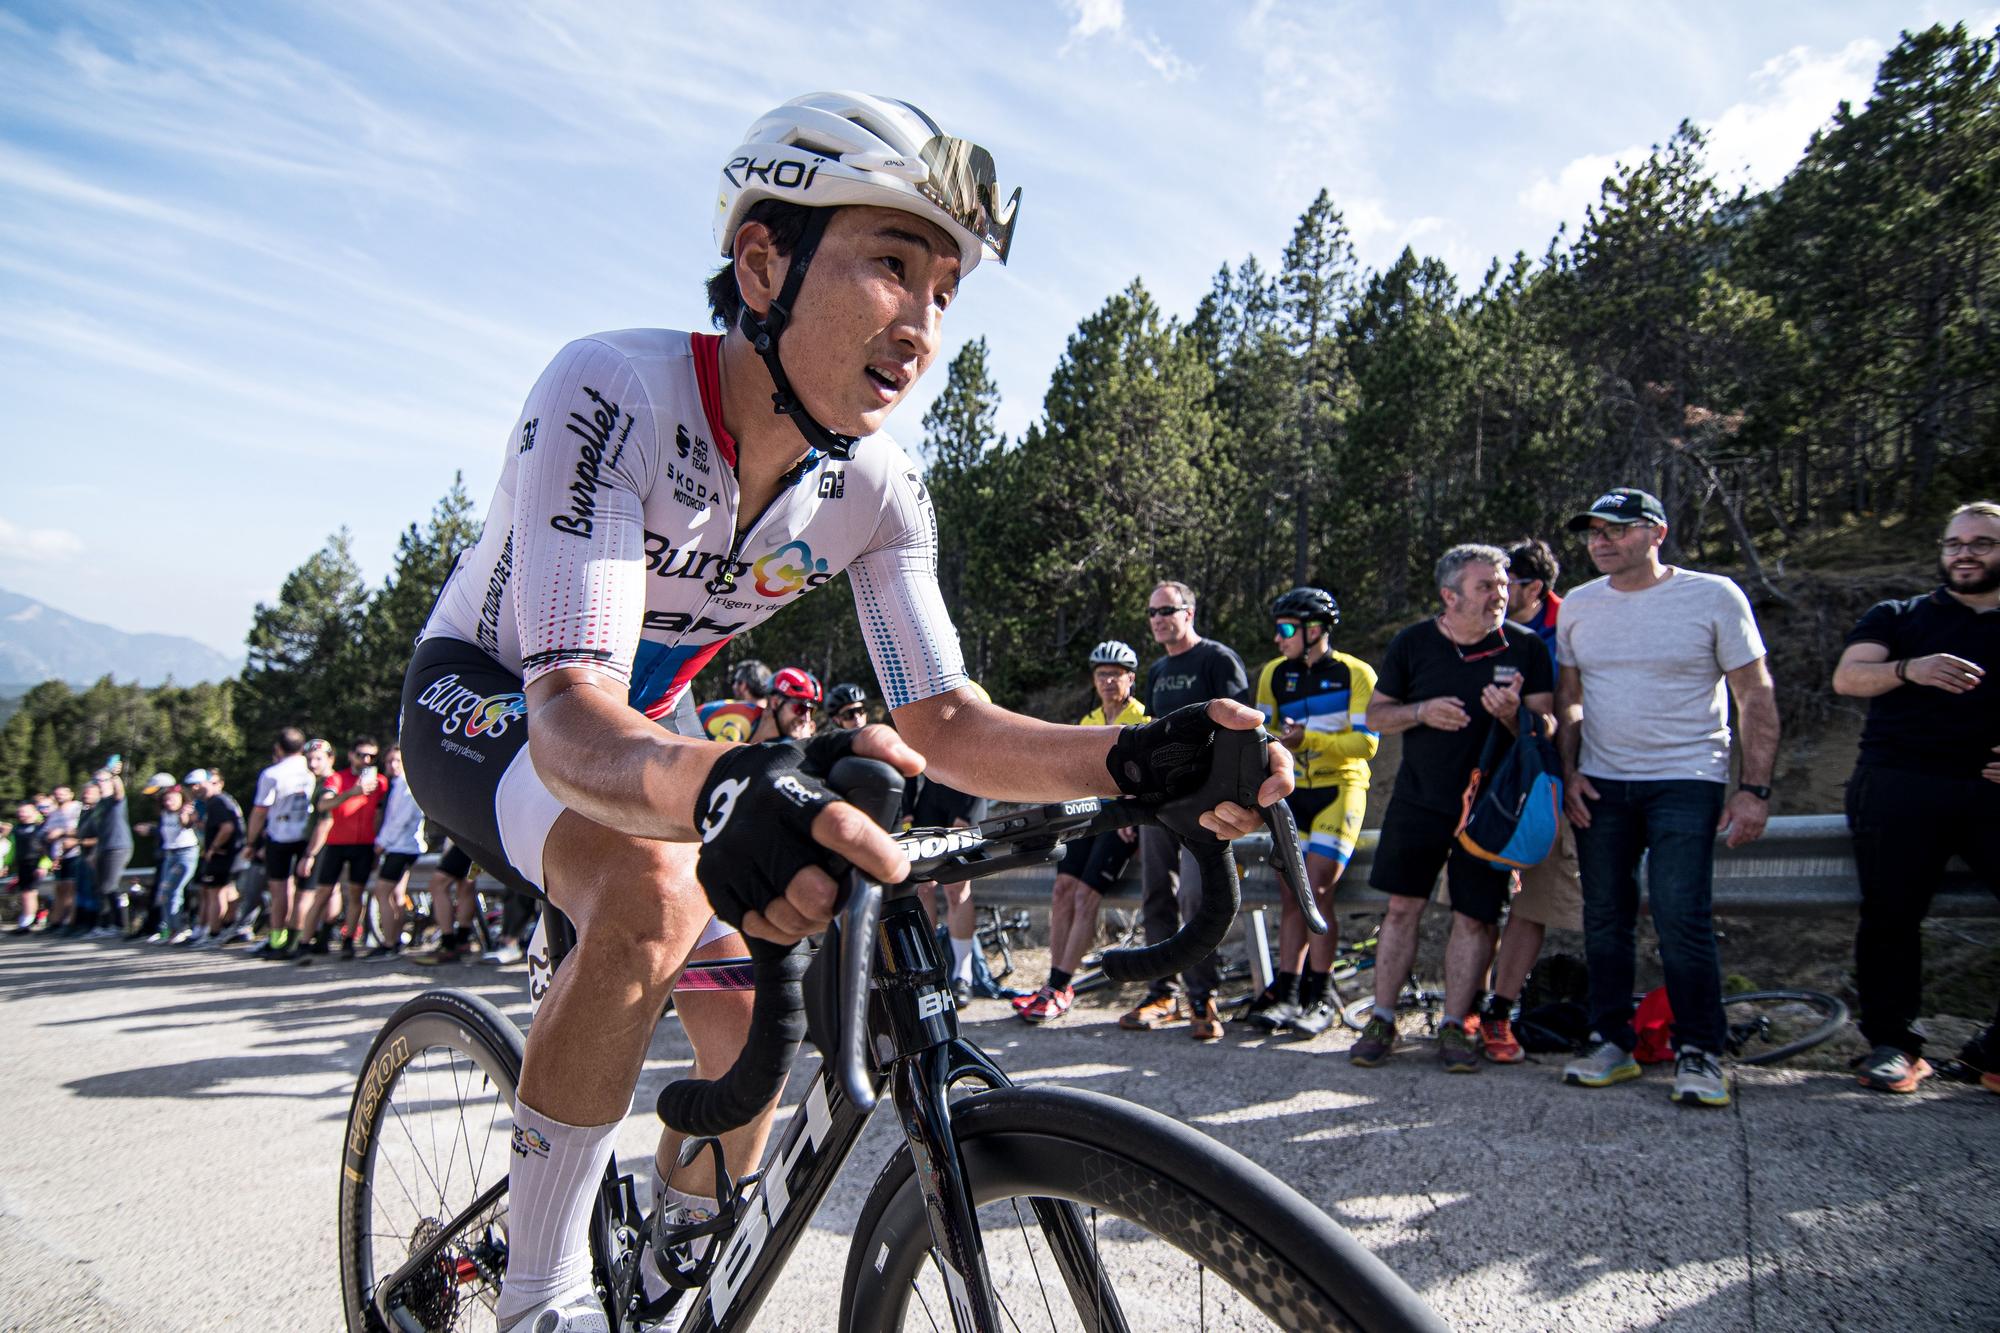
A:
(473, 714)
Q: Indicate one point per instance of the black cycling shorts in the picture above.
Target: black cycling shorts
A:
(1417, 843)
(394, 866)
(1097, 861)
(357, 858)
(939, 806)
(465, 755)
(281, 858)
(454, 863)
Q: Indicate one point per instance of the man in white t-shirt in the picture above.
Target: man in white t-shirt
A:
(281, 812)
(1643, 654)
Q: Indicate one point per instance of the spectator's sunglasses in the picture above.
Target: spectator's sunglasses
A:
(1160, 612)
(364, 756)
(853, 710)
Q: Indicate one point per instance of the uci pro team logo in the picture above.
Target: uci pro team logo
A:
(469, 713)
(788, 569)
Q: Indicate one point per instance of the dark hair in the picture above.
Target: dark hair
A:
(291, 740)
(360, 741)
(787, 222)
(1532, 558)
(753, 676)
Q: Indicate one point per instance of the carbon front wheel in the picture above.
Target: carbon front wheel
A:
(1098, 1214)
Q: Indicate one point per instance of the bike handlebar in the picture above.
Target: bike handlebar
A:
(778, 1016)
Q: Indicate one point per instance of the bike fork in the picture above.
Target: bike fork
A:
(919, 1084)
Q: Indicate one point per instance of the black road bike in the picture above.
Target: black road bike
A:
(1006, 1207)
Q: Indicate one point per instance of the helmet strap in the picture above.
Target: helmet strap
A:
(764, 334)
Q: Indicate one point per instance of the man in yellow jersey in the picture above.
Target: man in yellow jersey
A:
(1089, 865)
(1317, 701)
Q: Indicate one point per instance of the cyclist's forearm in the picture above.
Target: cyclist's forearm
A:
(988, 751)
(612, 764)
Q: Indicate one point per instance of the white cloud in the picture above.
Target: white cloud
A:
(1107, 18)
(1564, 197)
(1758, 141)
(37, 544)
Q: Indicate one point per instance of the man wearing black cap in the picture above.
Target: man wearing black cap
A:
(1644, 732)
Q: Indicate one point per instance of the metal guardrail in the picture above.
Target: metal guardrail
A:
(1803, 864)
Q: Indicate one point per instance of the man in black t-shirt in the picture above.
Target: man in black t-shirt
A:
(1194, 671)
(1927, 783)
(1445, 683)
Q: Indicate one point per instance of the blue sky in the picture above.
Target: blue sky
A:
(267, 270)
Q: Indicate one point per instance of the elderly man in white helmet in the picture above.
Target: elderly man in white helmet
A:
(651, 505)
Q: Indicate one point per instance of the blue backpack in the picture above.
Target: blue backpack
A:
(1513, 801)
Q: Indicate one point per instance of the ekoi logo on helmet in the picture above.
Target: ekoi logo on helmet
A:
(469, 713)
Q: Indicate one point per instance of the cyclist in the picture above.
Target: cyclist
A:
(847, 706)
(653, 506)
(734, 718)
(1317, 699)
(788, 714)
(1088, 868)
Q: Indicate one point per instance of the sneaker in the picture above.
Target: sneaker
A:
(503, 956)
(1046, 1004)
(1458, 1047)
(578, 1312)
(1605, 1064)
(1156, 1012)
(1206, 1024)
(1502, 1046)
(381, 953)
(346, 949)
(182, 937)
(961, 992)
(1272, 1010)
(1318, 1016)
(241, 935)
(1892, 1069)
(1698, 1079)
(1377, 1040)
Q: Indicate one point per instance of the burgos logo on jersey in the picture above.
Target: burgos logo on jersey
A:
(472, 714)
(787, 570)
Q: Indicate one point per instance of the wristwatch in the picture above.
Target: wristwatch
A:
(1761, 793)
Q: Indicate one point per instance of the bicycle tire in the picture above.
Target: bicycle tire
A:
(1419, 999)
(1783, 1030)
(1278, 1256)
(482, 1050)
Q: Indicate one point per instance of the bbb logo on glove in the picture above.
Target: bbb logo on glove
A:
(721, 805)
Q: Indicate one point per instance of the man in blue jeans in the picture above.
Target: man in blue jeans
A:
(1642, 656)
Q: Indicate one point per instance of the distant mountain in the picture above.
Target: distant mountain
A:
(38, 642)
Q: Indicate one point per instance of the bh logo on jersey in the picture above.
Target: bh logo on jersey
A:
(471, 714)
(788, 569)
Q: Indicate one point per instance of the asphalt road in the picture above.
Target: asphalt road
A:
(173, 1121)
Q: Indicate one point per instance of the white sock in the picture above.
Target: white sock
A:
(551, 1189)
(961, 959)
(673, 1208)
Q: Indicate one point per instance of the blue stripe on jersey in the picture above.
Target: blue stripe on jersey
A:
(654, 668)
(1326, 711)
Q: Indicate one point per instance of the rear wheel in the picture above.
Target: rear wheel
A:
(1098, 1214)
(1767, 1026)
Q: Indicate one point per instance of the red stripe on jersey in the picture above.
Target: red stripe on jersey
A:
(691, 668)
(708, 378)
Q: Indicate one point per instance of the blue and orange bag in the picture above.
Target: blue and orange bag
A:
(1512, 813)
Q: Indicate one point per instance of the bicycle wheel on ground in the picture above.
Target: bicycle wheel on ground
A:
(1770, 1025)
(428, 1136)
(1167, 1229)
(1419, 1007)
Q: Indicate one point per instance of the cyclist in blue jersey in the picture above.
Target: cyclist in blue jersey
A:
(651, 505)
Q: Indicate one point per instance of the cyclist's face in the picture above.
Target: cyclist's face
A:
(1292, 645)
(869, 315)
(852, 718)
(795, 720)
(1114, 685)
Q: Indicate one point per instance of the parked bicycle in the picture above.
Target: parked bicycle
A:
(1005, 1203)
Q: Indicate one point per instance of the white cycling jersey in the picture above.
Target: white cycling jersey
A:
(616, 518)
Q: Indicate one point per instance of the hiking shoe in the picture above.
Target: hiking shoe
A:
(1377, 1040)
(1458, 1048)
(1318, 1016)
(1046, 1004)
(504, 955)
(1502, 1046)
(1207, 1022)
(578, 1312)
(1605, 1064)
(1698, 1079)
(346, 949)
(1892, 1069)
(1272, 1010)
(1156, 1012)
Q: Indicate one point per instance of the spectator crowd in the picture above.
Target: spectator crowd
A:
(1621, 688)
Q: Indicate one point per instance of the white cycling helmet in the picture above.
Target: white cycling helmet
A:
(824, 150)
(1114, 653)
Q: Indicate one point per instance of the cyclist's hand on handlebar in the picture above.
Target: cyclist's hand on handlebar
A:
(1171, 756)
(1230, 820)
(769, 830)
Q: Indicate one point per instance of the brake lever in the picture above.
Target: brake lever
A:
(876, 789)
(1241, 763)
(1290, 864)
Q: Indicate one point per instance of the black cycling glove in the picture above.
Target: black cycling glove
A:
(755, 814)
(1165, 758)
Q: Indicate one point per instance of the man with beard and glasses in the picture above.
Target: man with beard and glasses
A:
(1926, 785)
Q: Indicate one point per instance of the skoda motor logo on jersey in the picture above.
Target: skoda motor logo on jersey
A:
(469, 714)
